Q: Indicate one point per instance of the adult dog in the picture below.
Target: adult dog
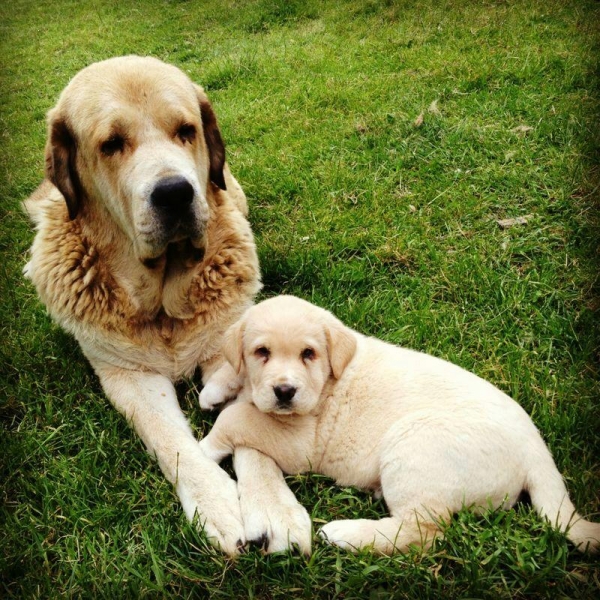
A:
(430, 436)
(143, 253)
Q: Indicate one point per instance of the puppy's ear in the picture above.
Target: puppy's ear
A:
(341, 345)
(61, 157)
(212, 137)
(232, 347)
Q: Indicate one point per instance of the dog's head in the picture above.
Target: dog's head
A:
(135, 137)
(288, 349)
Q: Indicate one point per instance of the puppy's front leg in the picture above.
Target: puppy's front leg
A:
(240, 424)
(288, 440)
(218, 443)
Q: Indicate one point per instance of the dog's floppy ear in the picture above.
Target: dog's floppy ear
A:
(212, 137)
(61, 155)
(341, 345)
(233, 347)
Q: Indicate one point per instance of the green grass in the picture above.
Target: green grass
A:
(389, 224)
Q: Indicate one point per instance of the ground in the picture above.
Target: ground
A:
(380, 143)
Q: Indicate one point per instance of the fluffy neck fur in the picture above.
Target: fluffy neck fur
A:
(85, 271)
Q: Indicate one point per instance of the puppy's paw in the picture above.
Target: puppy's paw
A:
(344, 534)
(277, 523)
(213, 451)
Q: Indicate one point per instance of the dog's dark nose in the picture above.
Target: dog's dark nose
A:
(172, 194)
(284, 394)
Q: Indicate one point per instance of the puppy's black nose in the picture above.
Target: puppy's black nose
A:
(284, 394)
(172, 194)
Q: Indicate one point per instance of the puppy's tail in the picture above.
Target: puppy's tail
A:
(549, 497)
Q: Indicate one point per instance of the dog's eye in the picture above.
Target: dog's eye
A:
(308, 354)
(186, 133)
(262, 352)
(112, 145)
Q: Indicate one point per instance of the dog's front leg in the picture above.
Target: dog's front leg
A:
(273, 517)
(148, 401)
(219, 387)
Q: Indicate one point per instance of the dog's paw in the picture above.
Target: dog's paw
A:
(276, 524)
(28, 271)
(223, 385)
(213, 394)
(218, 511)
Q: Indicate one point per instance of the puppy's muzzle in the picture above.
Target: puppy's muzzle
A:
(172, 198)
(284, 394)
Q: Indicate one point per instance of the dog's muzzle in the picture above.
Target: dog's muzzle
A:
(178, 213)
(172, 198)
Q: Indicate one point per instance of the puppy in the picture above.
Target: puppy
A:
(430, 436)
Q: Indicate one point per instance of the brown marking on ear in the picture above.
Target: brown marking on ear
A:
(233, 347)
(212, 137)
(61, 155)
(341, 346)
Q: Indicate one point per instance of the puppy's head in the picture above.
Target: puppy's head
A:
(289, 349)
(135, 137)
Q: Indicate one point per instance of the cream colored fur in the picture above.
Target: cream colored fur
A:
(430, 436)
(148, 301)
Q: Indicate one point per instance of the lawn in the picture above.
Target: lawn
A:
(379, 144)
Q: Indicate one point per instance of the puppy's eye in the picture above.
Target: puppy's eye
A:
(262, 352)
(308, 354)
(114, 144)
(186, 133)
